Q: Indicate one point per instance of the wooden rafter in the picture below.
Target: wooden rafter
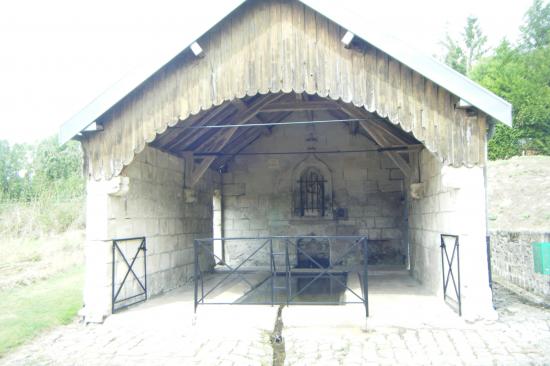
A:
(414, 162)
(379, 137)
(186, 137)
(172, 133)
(209, 137)
(248, 138)
(309, 112)
(395, 134)
(245, 114)
(381, 140)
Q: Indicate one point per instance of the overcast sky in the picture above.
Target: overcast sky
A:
(56, 56)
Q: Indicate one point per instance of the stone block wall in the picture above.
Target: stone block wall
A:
(155, 206)
(429, 216)
(512, 261)
(450, 201)
(258, 192)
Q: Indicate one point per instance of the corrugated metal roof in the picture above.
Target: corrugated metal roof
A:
(425, 65)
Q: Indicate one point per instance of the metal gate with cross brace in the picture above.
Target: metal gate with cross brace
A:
(450, 266)
(129, 267)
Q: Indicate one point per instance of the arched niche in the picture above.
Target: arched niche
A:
(312, 176)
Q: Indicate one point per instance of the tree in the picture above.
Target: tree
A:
(461, 55)
(14, 171)
(475, 41)
(522, 79)
(41, 171)
(536, 30)
(455, 57)
(57, 169)
(518, 73)
(53, 161)
(499, 74)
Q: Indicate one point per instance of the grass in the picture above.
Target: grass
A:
(27, 260)
(41, 268)
(26, 311)
(40, 218)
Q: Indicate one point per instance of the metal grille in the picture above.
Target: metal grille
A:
(450, 267)
(273, 258)
(123, 294)
(312, 194)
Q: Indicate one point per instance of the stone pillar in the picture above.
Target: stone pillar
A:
(98, 247)
(469, 224)
(146, 200)
(451, 201)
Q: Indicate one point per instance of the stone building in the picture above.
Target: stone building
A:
(288, 118)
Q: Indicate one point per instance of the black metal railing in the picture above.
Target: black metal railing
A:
(266, 271)
(136, 292)
(450, 267)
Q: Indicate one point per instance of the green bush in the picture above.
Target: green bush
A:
(41, 217)
(505, 143)
(44, 171)
(42, 188)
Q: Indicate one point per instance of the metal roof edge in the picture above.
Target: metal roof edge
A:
(439, 73)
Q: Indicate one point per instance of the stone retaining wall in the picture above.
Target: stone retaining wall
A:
(512, 261)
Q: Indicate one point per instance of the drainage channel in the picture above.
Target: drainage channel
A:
(277, 341)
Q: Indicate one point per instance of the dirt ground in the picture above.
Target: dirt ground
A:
(519, 193)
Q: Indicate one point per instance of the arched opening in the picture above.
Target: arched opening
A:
(295, 166)
(299, 164)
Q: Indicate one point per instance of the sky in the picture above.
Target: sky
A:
(56, 56)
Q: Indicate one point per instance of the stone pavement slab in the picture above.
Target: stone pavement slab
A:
(164, 331)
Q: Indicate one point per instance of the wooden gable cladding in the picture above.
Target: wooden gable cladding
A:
(282, 47)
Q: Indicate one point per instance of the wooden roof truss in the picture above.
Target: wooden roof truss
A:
(204, 146)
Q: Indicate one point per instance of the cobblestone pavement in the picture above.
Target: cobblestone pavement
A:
(521, 336)
(160, 332)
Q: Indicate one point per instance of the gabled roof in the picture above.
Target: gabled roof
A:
(440, 74)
